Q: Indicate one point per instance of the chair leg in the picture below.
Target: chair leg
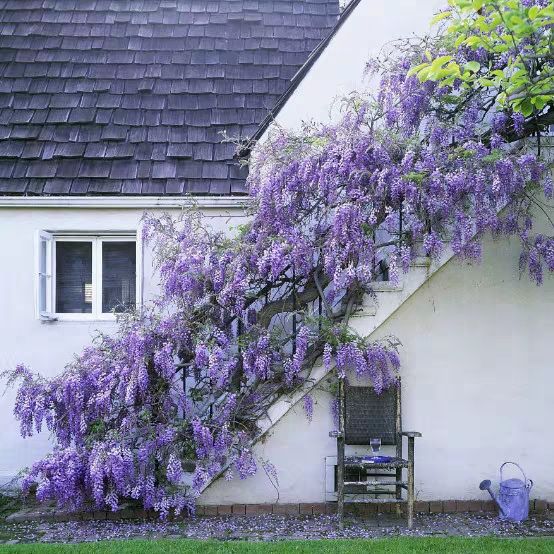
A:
(411, 487)
(410, 494)
(340, 458)
(340, 482)
(398, 492)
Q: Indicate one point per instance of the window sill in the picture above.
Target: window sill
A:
(80, 318)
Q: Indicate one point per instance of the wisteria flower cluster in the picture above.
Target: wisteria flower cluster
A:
(173, 400)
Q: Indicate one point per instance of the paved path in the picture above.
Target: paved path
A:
(274, 527)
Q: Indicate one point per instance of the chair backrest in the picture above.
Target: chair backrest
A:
(369, 415)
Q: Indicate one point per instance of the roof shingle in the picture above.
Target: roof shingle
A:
(135, 96)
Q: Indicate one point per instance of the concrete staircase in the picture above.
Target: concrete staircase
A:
(375, 310)
(373, 313)
(389, 297)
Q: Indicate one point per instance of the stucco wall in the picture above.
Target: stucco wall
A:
(477, 381)
(47, 347)
(340, 68)
(478, 375)
(297, 449)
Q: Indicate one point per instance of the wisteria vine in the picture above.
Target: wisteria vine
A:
(173, 400)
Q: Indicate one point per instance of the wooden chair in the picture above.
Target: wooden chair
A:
(363, 415)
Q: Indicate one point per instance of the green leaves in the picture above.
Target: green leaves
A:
(443, 68)
(472, 66)
(504, 31)
(416, 69)
(416, 177)
(440, 16)
(494, 156)
(524, 106)
(533, 12)
(440, 61)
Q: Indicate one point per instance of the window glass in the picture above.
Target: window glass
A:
(118, 276)
(74, 277)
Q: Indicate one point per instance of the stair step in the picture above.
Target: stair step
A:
(385, 286)
(366, 311)
(421, 261)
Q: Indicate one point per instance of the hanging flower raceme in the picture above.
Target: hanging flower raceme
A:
(258, 358)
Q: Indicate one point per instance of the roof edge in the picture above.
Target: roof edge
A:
(300, 74)
(125, 202)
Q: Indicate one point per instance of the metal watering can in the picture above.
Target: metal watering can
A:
(513, 496)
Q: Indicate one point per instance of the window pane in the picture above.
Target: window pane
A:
(74, 277)
(118, 276)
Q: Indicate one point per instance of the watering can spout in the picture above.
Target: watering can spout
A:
(486, 486)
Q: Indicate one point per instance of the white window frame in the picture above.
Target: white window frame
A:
(97, 240)
(43, 272)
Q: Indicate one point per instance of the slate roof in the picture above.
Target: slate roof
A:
(131, 96)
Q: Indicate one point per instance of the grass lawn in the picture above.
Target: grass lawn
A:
(380, 546)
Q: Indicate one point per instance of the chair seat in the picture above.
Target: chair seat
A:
(363, 462)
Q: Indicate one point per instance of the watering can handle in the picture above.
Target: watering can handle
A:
(520, 469)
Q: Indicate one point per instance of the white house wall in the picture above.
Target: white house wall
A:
(477, 381)
(48, 347)
(339, 70)
(297, 448)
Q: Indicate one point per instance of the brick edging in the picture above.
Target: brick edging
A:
(297, 509)
(427, 507)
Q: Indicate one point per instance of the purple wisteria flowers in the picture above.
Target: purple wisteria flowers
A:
(241, 320)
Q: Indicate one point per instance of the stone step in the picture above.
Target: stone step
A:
(421, 261)
(388, 296)
(385, 286)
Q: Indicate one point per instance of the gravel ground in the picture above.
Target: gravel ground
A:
(274, 527)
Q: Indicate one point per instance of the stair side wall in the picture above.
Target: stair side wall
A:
(477, 370)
